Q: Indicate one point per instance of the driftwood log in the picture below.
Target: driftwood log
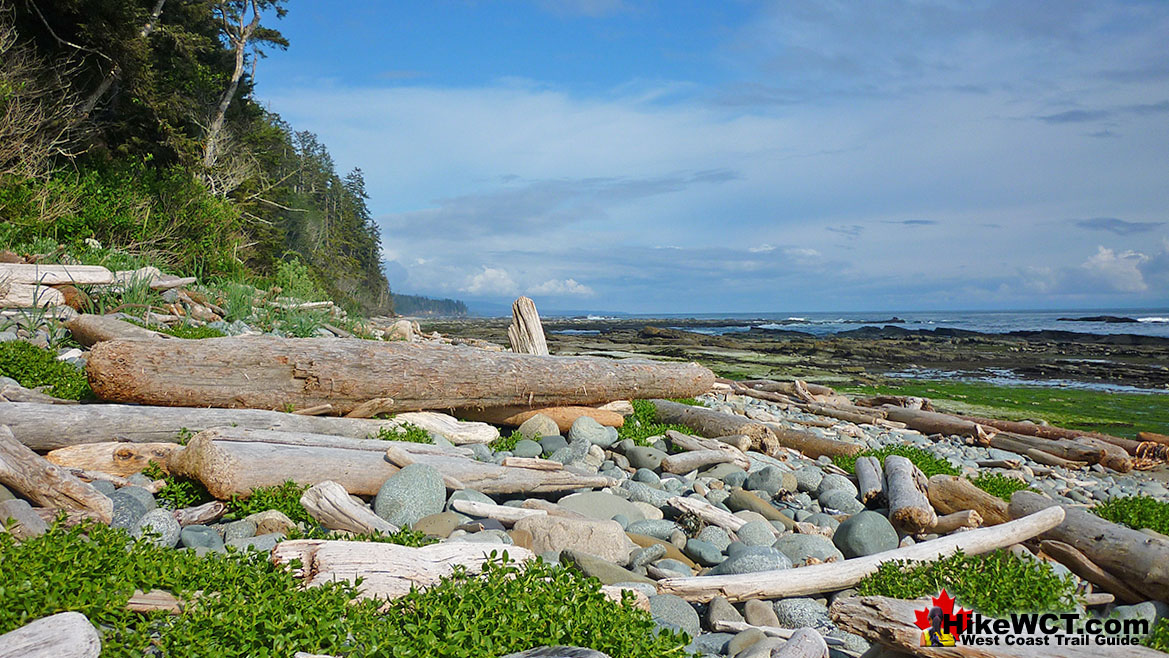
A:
(123, 459)
(840, 575)
(564, 416)
(270, 373)
(46, 484)
(89, 329)
(950, 494)
(1138, 559)
(1051, 432)
(932, 422)
(24, 295)
(505, 514)
(721, 444)
(63, 635)
(55, 275)
(48, 427)
(1080, 565)
(956, 521)
(910, 510)
(488, 478)
(526, 334)
(711, 423)
(330, 505)
(205, 513)
(812, 445)
(685, 462)
(870, 480)
(387, 570)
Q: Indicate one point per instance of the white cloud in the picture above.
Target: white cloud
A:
(801, 252)
(562, 287)
(1120, 271)
(491, 281)
(761, 249)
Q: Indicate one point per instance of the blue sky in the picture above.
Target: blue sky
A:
(749, 156)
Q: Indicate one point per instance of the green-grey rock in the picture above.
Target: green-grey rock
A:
(527, 448)
(538, 426)
(241, 529)
(716, 536)
(808, 478)
(588, 429)
(751, 560)
(603, 570)
(262, 543)
(772, 480)
(756, 533)
(415, 491)
(675, 613)
(719, 609)
(644, 457)
(141, 495)
(834, 481)
(799, 548)
(201, 536)
(602, 505)
(703, 552)
(657, 528)
(801, 612)
(841, 500)
(162, 527)
(127, 510)
(864, 534)
(744, 640)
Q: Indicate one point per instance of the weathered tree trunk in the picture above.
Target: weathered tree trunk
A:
(950, 494)
(694, 443)
(842, 414)
(1085, 568)
(840, 575)
(23, 295)
(1050, 432)
(271, 373)
(63, 635)
(564, 416)
(48, 427)
(503, 513)
(812, 445)
(89, 329)
(122, 459)
(688, 461)
(1062, 448)
(909, 508)
(932, 422)
(526, 333)
(1138, 559)
(387, 570)
(46, 484)
(711, 423)
(205, 513)
(329, 503)
(870, 480)
(239, 42)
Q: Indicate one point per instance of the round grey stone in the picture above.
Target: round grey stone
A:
(753, 559)
(571, 453)
(481, 452)
(602, 505)
(736, 479)
(864, 534)
(551, 444)
(802, 612)
(467, 494)
(710, 643)
(647, 476)
(410, 494)
(656, 528)
(141, 495)
(261, 543)
(798, 548)
(527, 448)
(832, 482)
(756, 533)
(703, 552)
(139, 480)
(162, 525)
(127, 510)
(823, 520)
(103, 486)
(538, 426)
(647, 555)
(643, 493)
(643, 457)
(842, 500)
(674, 612)
(241, 529)
(589, 430)
(674, 566)
(715, 536)
(771, 479)
(200, 536)
(808, 478)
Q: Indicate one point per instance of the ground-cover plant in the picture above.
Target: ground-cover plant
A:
(404, 432)
(506, 443)
(250, 607)
(32, 366)
(1136, 512)
(999, 485)
(995, 583)
(182, 330)
(929, 464)
(284, 498)
(1159, 638)
(179, 492)
(644, 424)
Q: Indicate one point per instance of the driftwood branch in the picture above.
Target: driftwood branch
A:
(47, 484)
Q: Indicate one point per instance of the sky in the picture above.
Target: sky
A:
(693, 156)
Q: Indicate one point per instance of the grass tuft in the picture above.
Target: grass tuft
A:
(404, 432)
(644, 423)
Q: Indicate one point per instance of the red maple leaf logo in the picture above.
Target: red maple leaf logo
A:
(946, 603)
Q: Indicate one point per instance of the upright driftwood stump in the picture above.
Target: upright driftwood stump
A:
(526, 334)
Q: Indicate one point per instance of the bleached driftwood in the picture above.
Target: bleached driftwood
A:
(840, 575)
(502, 513)
(950, 493)
(956, 521)
(812, 445)
(721, 444)
(263, 372)
(870, 480)
(489, 478)
(47, 484)
(23, 295)
(156, 600)
(526, 334)
(1083, 567)
(711, 514)
(86, 475)
(90, 329)
(123, 459)
(684, 462)
(711, 423)
(905, 486)
(330, 505)
(55, 275)
(63, 635)
(205, 513)
(48, 427)
(932, 422)
(387, 570)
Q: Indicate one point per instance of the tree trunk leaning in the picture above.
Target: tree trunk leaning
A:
(63, 635)
(910, 510)
(1080, 565)
(271, 373)
(525, 333)
(47, 484)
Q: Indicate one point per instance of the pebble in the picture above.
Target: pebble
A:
(832, 482)
(759, 613)
(808, 478)
(864, 534)
(647, 555)
(756, 533)
(162, 525)
(527, 448)
(647, 476)
(103, 486)
(703, 552)
(752, 559)
(552, 443)
(674, 566)
(657, 528)
(841, 500)
(603, 570)
(772, 480)
(673, 612)
(27, 522)
(589, 430)
(601, 505)
(236, 530)
(415, 491)
(538, 426)
(719, 609)
(127, 510)
(141, 495)
(715, 536)
(800, 548)
(745, 640)
(643, 457)
(644, 493)
(261, 543)
(802, 612)
(710, 643)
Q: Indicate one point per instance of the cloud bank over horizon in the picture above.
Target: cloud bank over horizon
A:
(751, 157)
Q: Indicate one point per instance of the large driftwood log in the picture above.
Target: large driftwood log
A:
(270, 373)
(950, 494)
(23, 295)
(890, 622)
(55, 275)
(124, 459)
(932, 422)
(685, 462)
(63, 635)
(870, 480)
(489, 478)
(711, 423)
(1080, 565)
(840, 575)
(564, 416)
(503, 513)
(812, 445)
(1136, 558)
(89, 329)
(721, 444)
(387, 570)
(47, 484)
(1051, 432)
(329, 503)
(526, 334)
(909, 508)
(48, 427)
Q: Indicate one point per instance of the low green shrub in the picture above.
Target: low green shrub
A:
(33, 366)
(1159, 638)
(996, 583)
(1136, 512)
(997, 484)
(250, 607)
(182, 331)
(929, 464)
(644, 423)
(284, 497)
(404, 432)
(506, 443)
(179, 492)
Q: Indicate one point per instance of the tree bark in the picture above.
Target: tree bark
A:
(840, 575)
(1136, 558)
(270, 373)
(564, 416)
(387, 570)
(329, 503)
(870, 480)
(526, 334)
(46, 484)
(122, 459)
(239, 42)
(950, 494)
(909, 508)
(49, 427)
(63, 635)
